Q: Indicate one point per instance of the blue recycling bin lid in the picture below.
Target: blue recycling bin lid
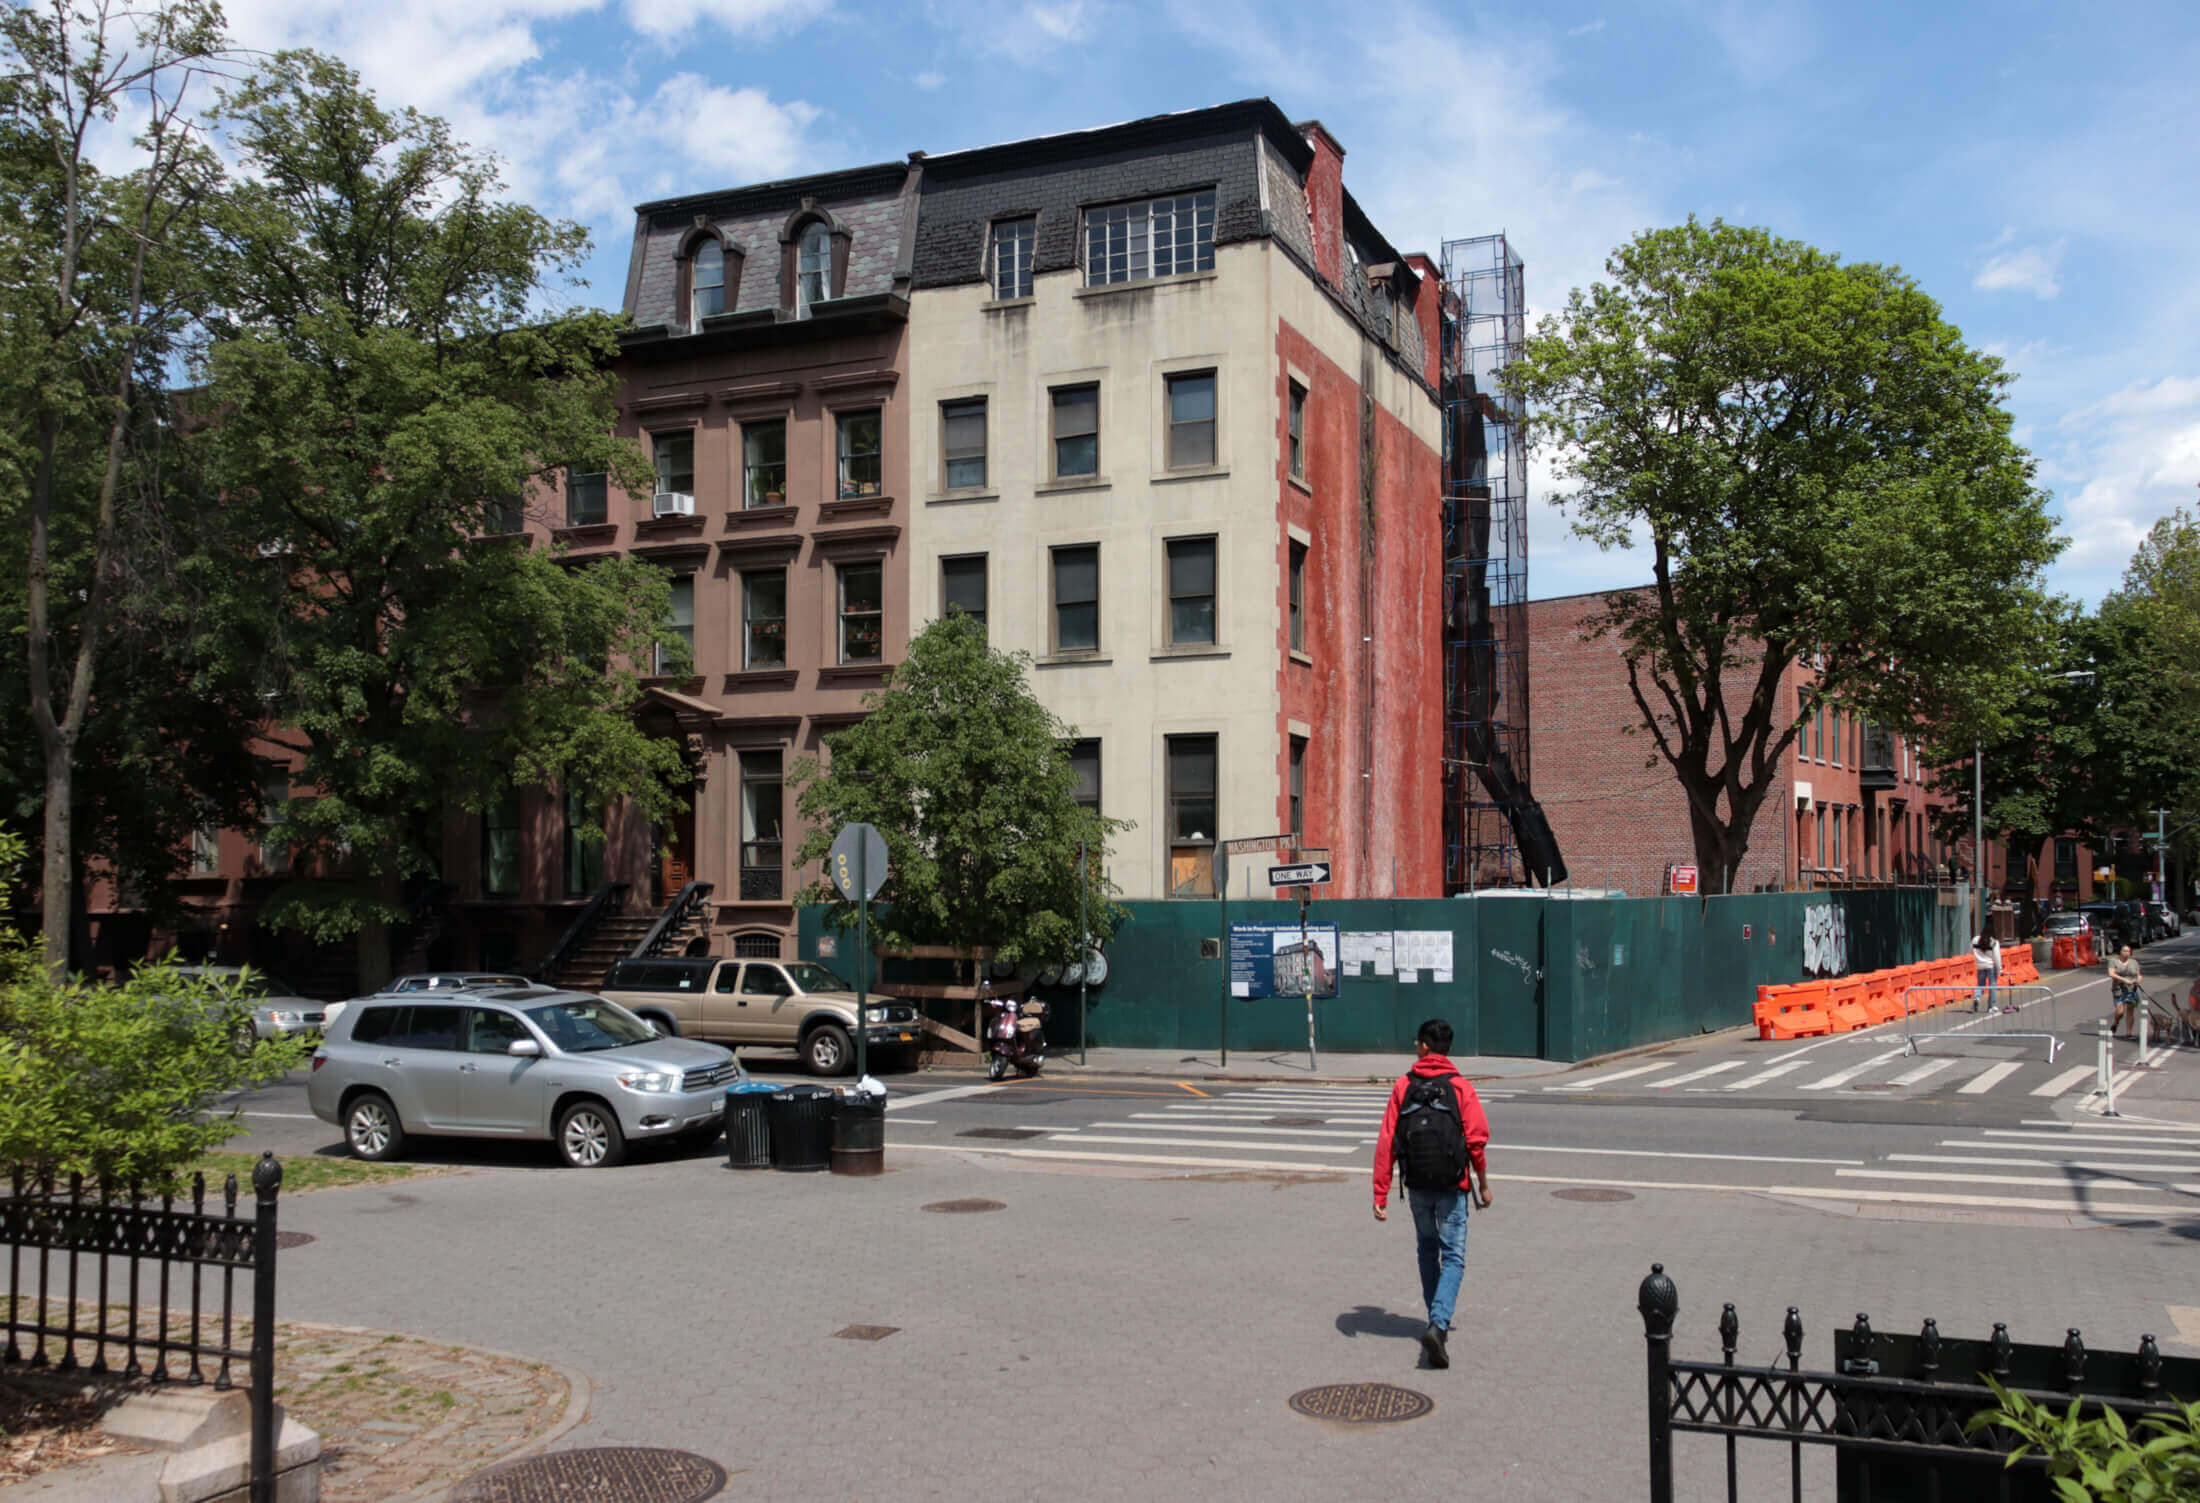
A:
(750, 1088)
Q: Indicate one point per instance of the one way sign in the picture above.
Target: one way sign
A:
(1311, 874)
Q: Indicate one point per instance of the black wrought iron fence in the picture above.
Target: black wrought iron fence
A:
(1896, 1411)
(131, 1284)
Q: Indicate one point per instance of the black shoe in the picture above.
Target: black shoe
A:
(1432, 1342)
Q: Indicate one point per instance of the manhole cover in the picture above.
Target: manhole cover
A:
(292, 1239)
(1594, 1197)
(1012, 1133)
(1362, 1403)
(602, 1474)
(1293, 1122)
(865, 1333)
(958, 1207)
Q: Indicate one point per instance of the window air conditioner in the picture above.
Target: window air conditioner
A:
(672, 504)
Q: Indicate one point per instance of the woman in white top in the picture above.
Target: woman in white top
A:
(1986, 955)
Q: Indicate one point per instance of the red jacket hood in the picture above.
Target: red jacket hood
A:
(1433, 1064)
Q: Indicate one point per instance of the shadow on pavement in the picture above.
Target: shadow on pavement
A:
(1374, 1320)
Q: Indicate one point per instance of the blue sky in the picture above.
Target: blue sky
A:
(2034, 166)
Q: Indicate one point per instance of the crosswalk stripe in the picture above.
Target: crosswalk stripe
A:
(2118, 1127)
(1662, 1153)
(2035, 1143)
(1274, 1132)
(1202, 1114)
(1088, 1137)
(1924, 1072)
(2121, 1185)
(1167, 1161)
(1982, 1202)
(1708, 1070)
(2065, 1081)
(1764, 1075)
(2153, 1145)
(1600, 1080)
(1843, 1077)
(1988, 1078)
(2113, 1166)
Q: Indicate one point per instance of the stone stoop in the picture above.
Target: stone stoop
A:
(209, 1438)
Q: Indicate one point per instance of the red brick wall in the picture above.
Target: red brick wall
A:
(1325, 200)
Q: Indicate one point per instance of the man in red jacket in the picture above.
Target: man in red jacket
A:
(1441, 1153)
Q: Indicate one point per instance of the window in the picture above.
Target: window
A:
(1077, 599)
(1191, 420)
(1298, 788)
(762, 803)
(500, 847)
(583, 856)
(813, 270)
(1191, 592)
(764, 618)
(862, 613)
(503, 514)
(2066, 860)
(1297, 425)
(707, 274)
(859, 453)
(1191, 816)
(274, 801)
(1076, 431)
(1008, 260)
(1084, 765)
(1840, 818)
(962, 586)
(1159, 237)
(765, 981)
(1821, 838)
(586, 499)
(754, 947)
(1298, 597)
(1837, 719)
(493, 1031)
(962, 444)
(206, 852)
(764, 463)
(427, 1028)
(675, 457)
(376, 1024)
(682, 628)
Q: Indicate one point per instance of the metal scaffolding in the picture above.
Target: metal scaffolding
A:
(1495, 834)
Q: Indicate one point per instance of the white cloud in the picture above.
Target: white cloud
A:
(1029, 34)
(2134, 456)
(928, 80)
(741, 135)
(666, 19)
(1586, 28)
(1763, 39)
(2031, 268)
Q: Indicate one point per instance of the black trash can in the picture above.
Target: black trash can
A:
(859, 1133)
(748, 1128)
(801, 1119)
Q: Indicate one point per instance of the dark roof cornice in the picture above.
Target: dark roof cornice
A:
(1154, 130)
(850, 182)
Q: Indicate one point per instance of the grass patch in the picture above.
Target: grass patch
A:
(305, 1172)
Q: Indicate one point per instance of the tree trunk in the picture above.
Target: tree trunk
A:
(376, 963)
(56, 890)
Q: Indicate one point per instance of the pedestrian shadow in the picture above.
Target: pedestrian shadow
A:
(1374, 1320)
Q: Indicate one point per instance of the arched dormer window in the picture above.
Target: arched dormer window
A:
(813, 260)
(707, 281)
(813, 276)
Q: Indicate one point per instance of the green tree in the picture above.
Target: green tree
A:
(383, 385)
(1822, 472)
(2100, 1459)
(967, 777)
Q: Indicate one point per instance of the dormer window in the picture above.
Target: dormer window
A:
(813, 270)
(708, 281)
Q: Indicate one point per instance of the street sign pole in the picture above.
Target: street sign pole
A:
(1306, 971)
(863, 962)
(1222, 891)
(1084, 946)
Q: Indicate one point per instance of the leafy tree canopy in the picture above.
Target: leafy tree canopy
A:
(967, 777)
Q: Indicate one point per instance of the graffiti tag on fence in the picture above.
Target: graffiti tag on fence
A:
(1825, 939)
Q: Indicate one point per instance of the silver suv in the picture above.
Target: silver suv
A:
(531, 1062)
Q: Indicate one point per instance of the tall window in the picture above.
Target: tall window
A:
(503, 514)
(962, 442)
(1009, 257)
(813, 271)
(583, 856)
(1298, 788)
(206, 851)
(1077, 599)
(683, 624)
(762, 806)
(707, 272)
(1821, 837)
(500, 847)
(764, 618)
(1191, 816)
(1084, 765)
(1840, 818)
(764, 463)
(274, 802)
(1297, 425)
(862, 613)
(675, 457)
(586, 499)
(860, 465)
(1076, 431)
(1191, 592)
(1837, 719)
(1191, 420)
(1298, 597)
(1158, 237)
(962, 586)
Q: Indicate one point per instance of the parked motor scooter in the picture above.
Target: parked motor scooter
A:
(1015, 1034)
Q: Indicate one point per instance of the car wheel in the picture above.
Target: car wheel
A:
(827, 1050)
(372, 1129)
(589, 1136)
(662, 1024)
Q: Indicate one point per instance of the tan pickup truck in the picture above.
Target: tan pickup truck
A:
(770, 1004)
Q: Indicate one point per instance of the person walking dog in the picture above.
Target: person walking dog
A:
(1435, 1131)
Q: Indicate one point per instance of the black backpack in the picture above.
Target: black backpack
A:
(1431, 1141)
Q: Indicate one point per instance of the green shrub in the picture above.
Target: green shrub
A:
(2101, 1460)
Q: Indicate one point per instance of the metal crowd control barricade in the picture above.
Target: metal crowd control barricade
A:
(2030, 1008)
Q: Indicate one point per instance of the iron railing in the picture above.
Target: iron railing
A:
(605, 901)
(112, 1241)
(674, 919)
(1898, 1412)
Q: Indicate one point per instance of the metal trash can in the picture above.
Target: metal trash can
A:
(801, 1120)
(859, 1133)
(748, 1128)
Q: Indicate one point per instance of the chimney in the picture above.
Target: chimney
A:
(1325, 200)
(1428, 311)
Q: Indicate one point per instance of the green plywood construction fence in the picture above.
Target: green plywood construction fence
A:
(1559, 978)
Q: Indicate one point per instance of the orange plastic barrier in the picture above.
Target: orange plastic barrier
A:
(1882, 1000)
(1792, 1012)
(1845, 1005)
(2085, 950)
(2065, 954)
(2017, 968)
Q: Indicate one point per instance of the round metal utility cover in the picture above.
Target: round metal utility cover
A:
(1594, 1197)
(284, 1240)
(601, 1474)
(1362, 1403)
(958, 1207)
(1293, 1122)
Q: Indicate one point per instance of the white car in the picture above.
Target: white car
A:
(278, 1010)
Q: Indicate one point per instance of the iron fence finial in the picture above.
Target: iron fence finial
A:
(267, 1176)
(1658, 1301)
(1928, 1350)
(2003, 1350)
(2150, 1366)
(1730, 1331)
(1792, 1334)
(2074, 1358)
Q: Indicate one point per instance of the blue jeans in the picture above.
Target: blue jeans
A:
(1440, 1230)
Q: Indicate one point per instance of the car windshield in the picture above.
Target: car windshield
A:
(812, 977)
(588, 1025)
